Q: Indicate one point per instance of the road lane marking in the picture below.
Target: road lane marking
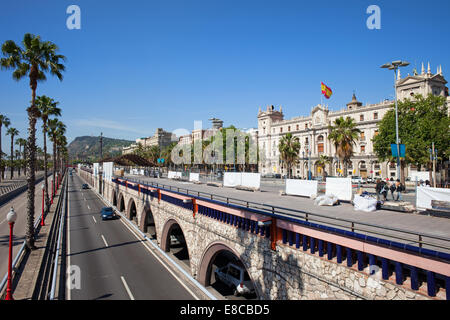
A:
(69, 297)
(127, 288)
(89, 207)
(160, 261)
(104, 240)
(94, 219)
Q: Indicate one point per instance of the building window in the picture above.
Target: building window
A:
(306, 141)
(375, 116)
(362, 137)
(281, 130)
(363, 149)
(320, 138)
(376, 133)
(320, 148)
(298, 127)
(289, 128)
(361, 117)
(306, 126)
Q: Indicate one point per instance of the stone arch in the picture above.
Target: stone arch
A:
(131, 209)
(114, 200)
(148, 222)
(165, 240)
(121, 203)
(208, 257)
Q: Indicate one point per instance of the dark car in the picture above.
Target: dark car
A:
(107, 213)
(84, 186)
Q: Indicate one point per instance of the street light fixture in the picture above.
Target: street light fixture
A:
(11, 218)
(394, 65)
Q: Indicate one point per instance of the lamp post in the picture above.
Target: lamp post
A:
(43, 191)
(395, 65)
(11, 218)
(53, 190)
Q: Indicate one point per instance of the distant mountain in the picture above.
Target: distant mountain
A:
(88, 148)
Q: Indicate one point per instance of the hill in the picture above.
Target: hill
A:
(88, 148)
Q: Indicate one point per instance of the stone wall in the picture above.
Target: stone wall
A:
(287, 273)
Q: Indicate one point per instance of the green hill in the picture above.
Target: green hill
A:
(88, 148)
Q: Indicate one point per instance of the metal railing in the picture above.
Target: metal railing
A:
(418, 238)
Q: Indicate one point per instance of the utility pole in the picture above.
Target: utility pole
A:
(101, 145)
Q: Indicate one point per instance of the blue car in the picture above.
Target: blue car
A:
(107, 213)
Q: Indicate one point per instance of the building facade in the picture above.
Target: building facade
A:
(313, 131)
(161, 138)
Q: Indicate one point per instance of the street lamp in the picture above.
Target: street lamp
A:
(42, 219)
(394, 65)
(11, 218)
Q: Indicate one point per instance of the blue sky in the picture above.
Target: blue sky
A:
(138, 65)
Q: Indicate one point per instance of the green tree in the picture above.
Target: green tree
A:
(12, 132)
(289, 148)
(421, 121)
(33, 60)
(343, 134)
(47, 107)
(322, 162)
(4, 121)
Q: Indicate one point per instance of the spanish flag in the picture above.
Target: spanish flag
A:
(326, 91)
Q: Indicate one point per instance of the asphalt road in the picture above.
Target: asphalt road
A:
(20, 207)
(113, 263)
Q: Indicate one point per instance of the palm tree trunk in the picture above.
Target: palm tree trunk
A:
(31, 163)
(1, 163)
(54, 163)
(47, 199)
(12, 157)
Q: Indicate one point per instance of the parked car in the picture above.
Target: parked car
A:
(371, 180)
(357, 180)
(85, 186)
(107, 213)
(236, 278)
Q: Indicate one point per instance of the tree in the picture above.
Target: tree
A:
(421, 121)
(343, 134)
(322, 162)
(4, 121)
(33, 60)
(289, 148)
(47, 107)
(55, 129)
(12, 132)
(22, 144)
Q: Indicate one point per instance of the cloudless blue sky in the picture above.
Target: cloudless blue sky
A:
(138, 65)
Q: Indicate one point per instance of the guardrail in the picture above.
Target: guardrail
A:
(20, 254)
(403, 260)
(418, 238)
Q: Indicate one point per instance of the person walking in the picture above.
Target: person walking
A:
(378, 188)
(392, 188)
(399, 188)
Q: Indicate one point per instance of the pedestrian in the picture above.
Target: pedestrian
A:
(427, 183)
(392, 188)
(378, 188)
(399, 187)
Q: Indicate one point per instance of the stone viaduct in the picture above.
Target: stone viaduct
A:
(285, 258)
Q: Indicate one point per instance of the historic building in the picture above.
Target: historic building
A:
(312, 131)
(161, 138)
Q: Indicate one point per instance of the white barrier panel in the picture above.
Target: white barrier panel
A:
(340, 187)
(108, 170)
(232, 179)
(194, 177)
(426, 194)
(306, 188)
(251, 180)
(174, 174)
(367, 204)
(96, 169)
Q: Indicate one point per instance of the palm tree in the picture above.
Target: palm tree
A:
(33, 60)
(47, 107)
(21, 142)
(12, 132)
(4, 121)
(289, 148)
(343, 133)
(55, 129)
(322, 162)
